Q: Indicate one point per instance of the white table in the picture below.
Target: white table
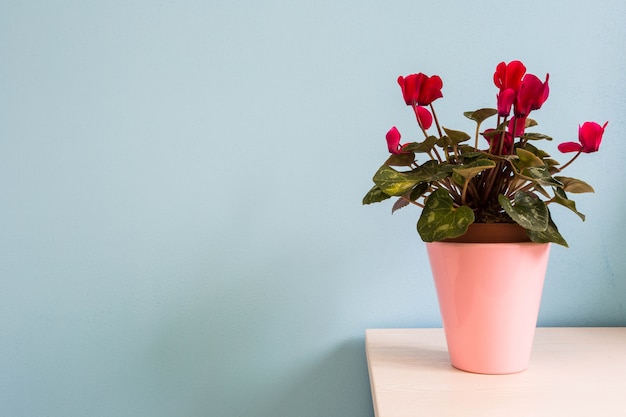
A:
(573, 372)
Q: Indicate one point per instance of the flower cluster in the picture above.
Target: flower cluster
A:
(511, 181)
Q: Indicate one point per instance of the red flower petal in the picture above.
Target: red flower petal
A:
(570, 147)
(506, 98)
(509, 75)
(532, 94)
(424, 117)
(430, 90)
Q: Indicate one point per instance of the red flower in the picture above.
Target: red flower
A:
(509, 75)
(590, 137)
(393, 141)
(506, 98)
(531, 95)
(420, 89)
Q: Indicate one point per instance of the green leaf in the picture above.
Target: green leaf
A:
(458, 179)
(431, 171)
(536, 136)
(480, 115)
(573, 185)
(456, 136)
(561, 198)
(529, 212)
(421, 147)
(551, 234)
(527, 159)
(541, 175)
(418, 191)
(394, 183)
(401, 160)
(469, 152)
(375, 195)
(540, 153)
(530, 123)
(471, 170)
(444, 142)
(440, 219)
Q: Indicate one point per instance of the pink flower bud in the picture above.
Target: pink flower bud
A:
(393, 140)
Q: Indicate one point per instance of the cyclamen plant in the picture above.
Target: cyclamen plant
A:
(511, 181)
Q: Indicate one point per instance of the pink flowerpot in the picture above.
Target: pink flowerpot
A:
(489, 296)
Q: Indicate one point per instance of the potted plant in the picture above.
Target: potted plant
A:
(485, 216)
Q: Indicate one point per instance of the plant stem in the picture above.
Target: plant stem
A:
(476, 135)
(412, 202)
(513, 134)
(503, 137)
(432, 109)
(419, 122)
(464, 193)
(570, 161)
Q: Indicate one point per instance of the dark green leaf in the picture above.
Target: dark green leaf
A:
(418, 191)
(440, 219)
(421, 147)
(444, 142)
(551, 234)
(431, 171)
(375, 195)
(458, 179)
(529, 212)
(401, 160)
(560, 197)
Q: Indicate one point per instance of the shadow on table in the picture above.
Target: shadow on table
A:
(336, 385)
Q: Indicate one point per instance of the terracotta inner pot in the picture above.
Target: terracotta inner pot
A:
(492, 233)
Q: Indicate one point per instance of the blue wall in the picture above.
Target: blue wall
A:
(181, 229)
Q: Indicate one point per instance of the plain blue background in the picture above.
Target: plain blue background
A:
(181, 229)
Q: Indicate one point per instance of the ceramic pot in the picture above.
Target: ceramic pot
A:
(489, 296)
